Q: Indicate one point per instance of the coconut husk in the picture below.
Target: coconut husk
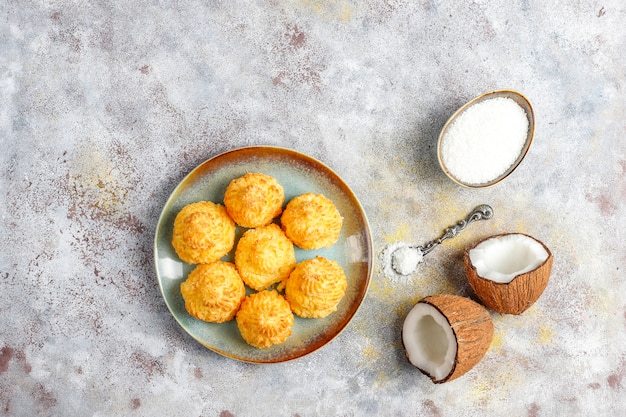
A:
(472, 327)
(513, 297)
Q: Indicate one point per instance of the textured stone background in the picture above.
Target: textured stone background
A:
(106, 106)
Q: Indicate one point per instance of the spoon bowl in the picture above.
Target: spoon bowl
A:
(518, 98)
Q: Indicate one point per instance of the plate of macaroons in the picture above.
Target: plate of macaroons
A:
(263, 254)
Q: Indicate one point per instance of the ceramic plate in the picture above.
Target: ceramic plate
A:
(298, 174)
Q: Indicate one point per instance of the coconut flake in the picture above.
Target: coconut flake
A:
(400, 259)
(405, 259)
(387, 260)
(485, 140)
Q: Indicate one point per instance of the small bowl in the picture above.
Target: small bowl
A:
(523, 103)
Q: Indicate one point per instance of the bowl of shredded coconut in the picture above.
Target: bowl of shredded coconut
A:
(486, 139)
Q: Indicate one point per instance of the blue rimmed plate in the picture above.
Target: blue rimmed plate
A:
(298, 174)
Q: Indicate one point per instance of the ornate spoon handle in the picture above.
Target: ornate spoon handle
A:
(481, 212)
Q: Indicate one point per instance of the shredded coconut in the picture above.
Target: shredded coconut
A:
(404, 260)
(484, 140)
(400, 259)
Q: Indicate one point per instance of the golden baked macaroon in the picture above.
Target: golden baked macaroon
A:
(254, 199)
(213, 292)
(265, 319)
(311, 221)
(203, 233)
(264, 256)
(315, 287)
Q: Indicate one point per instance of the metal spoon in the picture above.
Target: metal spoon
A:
(481, 212)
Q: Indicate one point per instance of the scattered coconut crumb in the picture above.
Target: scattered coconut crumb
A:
(405, 260)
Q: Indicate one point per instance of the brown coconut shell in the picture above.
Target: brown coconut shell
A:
(513, 297)
(472, 327)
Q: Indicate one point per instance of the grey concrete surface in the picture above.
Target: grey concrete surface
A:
(106, 106)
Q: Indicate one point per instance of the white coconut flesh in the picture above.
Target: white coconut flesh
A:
(502, 258)
(429, 341)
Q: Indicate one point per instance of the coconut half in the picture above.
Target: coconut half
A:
(444, 336)
(508, 272)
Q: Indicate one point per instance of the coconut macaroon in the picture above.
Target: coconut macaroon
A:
(315, 287)
(203, 232)
(213, 292)
(254, 199)
(265, 319)
(311, 221)
(264, 256)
